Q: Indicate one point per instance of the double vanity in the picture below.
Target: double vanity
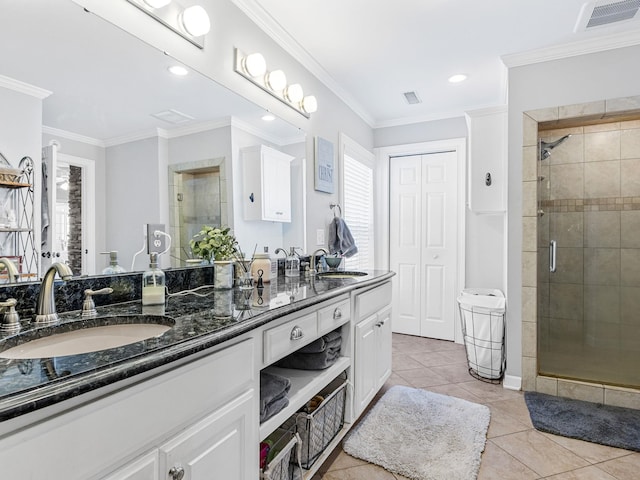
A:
(181, 399)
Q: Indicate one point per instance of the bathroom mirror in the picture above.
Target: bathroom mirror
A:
(115, 108)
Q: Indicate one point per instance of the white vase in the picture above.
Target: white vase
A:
(223, 274)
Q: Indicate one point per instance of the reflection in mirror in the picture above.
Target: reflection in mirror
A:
(107, 99)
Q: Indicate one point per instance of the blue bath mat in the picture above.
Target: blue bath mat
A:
(593, 422)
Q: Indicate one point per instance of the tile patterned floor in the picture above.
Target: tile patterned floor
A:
(514, 449)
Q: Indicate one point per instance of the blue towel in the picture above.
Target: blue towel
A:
(340, 238)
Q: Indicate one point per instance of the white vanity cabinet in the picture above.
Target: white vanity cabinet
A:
(487, 159)
(372, 334)
(192, 417)
(266, 174)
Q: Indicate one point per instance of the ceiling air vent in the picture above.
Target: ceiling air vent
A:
(605, 12)
(173, 116)
(412, 97)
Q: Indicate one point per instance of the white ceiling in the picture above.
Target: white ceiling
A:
(371, 51)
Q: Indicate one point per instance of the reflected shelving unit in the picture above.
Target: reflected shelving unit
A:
(16, 234)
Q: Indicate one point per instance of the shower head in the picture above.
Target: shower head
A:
(546, 147)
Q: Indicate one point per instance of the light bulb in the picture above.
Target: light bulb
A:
(309, 104)
(157, 3)
(254, 64)
(276, 80)
(294, 93)
(196, 21)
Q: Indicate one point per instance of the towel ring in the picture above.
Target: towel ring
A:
(333, 207)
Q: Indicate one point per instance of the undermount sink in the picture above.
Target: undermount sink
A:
(89, 336)
(341, 274)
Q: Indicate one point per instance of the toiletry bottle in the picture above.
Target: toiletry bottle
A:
(153, 283)
(292, 264)
(262, 262)
(113, 263)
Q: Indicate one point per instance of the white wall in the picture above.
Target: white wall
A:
(586, 78)
(421, 132)
(136, 186)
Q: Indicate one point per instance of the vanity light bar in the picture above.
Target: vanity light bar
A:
(191, 23)
(253, 67)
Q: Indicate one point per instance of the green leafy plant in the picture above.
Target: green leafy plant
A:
(214, 243)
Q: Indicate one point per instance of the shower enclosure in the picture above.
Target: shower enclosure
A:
(589, 253)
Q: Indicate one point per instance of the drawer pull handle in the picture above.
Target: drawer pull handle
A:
(296, 333)
(177, 473)
(337, 314)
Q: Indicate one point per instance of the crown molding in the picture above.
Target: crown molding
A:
(57, 132)
(267, 24)
(573, 49)
(21, 87)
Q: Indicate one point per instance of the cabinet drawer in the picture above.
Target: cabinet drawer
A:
(331, 317)
(289, 337)
(372, 301)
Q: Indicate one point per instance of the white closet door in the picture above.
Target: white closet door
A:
(423, 243)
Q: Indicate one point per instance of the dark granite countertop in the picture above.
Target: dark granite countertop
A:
(202, 320)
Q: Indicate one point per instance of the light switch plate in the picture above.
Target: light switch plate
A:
(320, 236)
(155, 243)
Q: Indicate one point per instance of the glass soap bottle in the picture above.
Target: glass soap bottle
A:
(113, 263)
(153, 282)
(292, 264)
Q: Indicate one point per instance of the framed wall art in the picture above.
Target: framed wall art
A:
(324, 165)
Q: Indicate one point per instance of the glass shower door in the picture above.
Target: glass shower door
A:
(588, 327)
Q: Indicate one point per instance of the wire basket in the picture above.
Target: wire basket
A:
(482, 313)
(318, 427)
(8, 174)
(280, 455)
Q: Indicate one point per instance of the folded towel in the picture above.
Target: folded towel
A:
(273, 408)
(340, 238)
(273, 388)
(311, 361)
(331, 339)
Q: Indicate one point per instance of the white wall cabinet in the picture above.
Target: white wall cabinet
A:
(372, 334)
(266, 184)
(487, 159)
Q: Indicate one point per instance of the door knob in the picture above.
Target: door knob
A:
(436, 257)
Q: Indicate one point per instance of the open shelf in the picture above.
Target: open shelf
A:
(304, 385)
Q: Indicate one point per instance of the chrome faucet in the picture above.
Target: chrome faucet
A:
(46, 304)
(12, 271)
(313, 260)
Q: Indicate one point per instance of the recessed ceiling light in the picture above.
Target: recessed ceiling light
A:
(268, 117)
(178, 70)
(460, 77)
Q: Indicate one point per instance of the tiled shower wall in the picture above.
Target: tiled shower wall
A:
(589, 191)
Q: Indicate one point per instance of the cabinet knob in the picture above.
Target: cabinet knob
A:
(381, 323)
(176, 473)
(337, 313)
(296, 333)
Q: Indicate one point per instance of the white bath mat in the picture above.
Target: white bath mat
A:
(422, 435)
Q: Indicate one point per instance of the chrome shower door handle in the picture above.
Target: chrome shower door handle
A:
(552, 256)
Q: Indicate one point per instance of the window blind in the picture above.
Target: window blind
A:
(358, 211)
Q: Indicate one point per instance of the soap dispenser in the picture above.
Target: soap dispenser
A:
(292, 264)
(153, 283)
(113, 263)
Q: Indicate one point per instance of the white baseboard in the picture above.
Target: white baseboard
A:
(512, 383)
